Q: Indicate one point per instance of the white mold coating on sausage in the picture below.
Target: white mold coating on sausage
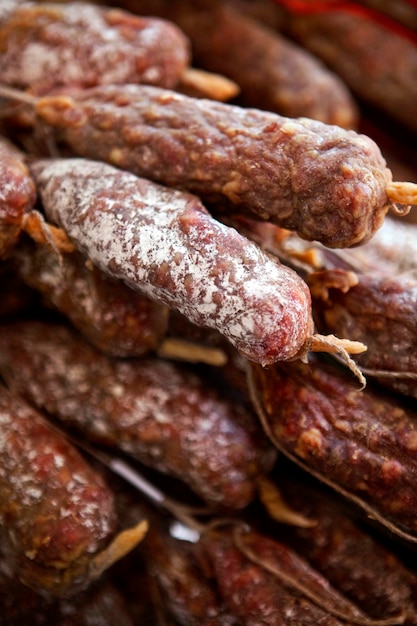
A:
(164, 243)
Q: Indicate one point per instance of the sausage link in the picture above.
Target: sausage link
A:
(164, 243)
(350, 557)
(327, 183)
(161, 414)
(17, 195)
(52, 47)
(258, 596)
(362, 443)
(56, 512)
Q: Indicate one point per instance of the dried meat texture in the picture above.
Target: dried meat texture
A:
(114, 318)
(360, 442)
(17, 195)
(164, 243)
(56, 512)
(347, 42)
(156, 411)
(381, 313)
(257, 596)
(327, 183)
(355, 562)
(272, 72)
(72, 46)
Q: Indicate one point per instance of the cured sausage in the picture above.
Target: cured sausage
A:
(187, 590)
(346, 41)
(379, 311)
(327, 183)
(262, 581)
(157, 412)
(51, 47)
(164, 243)
(348, 554)
(362, 443)
(56, 513)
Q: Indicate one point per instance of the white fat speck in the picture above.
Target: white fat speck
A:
(79, 478)
(5, 418)
(59, 461)
(117, 391)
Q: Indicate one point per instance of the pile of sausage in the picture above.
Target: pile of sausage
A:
(206, 275)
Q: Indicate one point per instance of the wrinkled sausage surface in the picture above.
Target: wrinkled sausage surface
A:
(327, 183)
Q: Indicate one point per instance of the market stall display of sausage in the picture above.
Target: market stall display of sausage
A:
(208, 313)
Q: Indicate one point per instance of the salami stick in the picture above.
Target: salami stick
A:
(327, 183)
(57, 515)
(361, 443)
(17, 195)
(56, 47)
(165, 244)
(262, 581)
(369, 573)
(157, 412)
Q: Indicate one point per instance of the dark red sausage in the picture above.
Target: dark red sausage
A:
(56, 513)
(353, 560)
(156, 411)
(255, 595)
(380, 312)
(362, 443)
(346, 42)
